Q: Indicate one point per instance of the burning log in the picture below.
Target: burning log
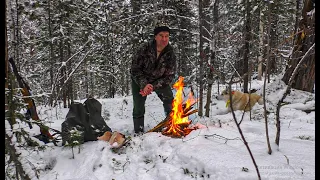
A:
(186, 109)
(176, 123)
(165, 124)
(189, 113)
(179, 130)
(161, 125)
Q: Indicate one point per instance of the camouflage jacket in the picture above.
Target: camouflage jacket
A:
(146, 68)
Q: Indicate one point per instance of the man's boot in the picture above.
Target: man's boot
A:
(138, 124)
(167, 106)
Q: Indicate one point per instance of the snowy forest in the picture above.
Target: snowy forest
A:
(60, 51)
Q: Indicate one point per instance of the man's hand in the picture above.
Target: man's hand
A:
(146, 90)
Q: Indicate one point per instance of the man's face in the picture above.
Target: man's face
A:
(162, 39)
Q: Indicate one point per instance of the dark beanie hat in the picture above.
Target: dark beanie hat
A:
(161, 28)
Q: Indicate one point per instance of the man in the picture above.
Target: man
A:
(153, 69)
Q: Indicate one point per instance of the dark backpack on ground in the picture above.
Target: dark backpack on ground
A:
(86, 119)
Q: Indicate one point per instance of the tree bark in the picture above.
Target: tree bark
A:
(262, 49)
(247, 38)
(202, 55)
(6, 54)
(214, 39)
(265, 78)
(305, 79)
(296, 24)
(51, 56)
(273, 38)
(287, 92)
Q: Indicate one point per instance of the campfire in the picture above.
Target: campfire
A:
(176, 124)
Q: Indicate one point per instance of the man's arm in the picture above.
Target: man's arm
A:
(136, 69)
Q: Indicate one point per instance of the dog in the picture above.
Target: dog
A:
(240, 100)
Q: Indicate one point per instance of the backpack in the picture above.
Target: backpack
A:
(86, 119)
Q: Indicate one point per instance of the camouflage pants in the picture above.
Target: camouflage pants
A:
(165, 94)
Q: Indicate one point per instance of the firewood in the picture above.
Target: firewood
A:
(162, 124)
(184, 125)
(189, 113)
(185, 110)
(167, 121)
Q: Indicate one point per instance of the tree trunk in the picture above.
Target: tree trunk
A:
(62, 75)
(265, 78)
(214, 40)
(6, 54)
(16, 37)
(247, 39)
(262, 49)
(86, 77)
(296, 24)
(273, 39)
(51, 56)
(280, 102)
(111, 78)
(305, 79)
(202, 57)
(70, 93)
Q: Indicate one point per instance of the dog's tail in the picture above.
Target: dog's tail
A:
(260, 101)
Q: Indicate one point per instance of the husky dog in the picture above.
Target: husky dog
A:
(240, 100)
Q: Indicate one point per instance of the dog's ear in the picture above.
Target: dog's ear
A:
(228, 89)
(223, 92)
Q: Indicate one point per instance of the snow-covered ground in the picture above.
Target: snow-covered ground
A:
(214, 151)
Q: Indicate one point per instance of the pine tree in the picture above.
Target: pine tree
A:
(17, 138)
(76, 139)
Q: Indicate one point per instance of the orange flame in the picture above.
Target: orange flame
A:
(178, 110)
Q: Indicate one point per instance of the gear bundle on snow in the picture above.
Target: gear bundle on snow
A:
(86, 119)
